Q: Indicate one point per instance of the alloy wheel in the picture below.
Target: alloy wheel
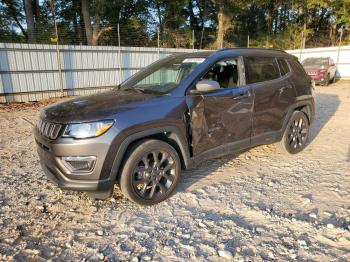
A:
(297, 134)
(153, 175)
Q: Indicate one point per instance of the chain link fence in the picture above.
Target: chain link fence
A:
(115, 34)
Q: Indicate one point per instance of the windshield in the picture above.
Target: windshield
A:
(165, 76)
(315, 62)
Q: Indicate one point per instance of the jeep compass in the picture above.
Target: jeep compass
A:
(170, 116)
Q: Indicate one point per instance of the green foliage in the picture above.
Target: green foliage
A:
(268, 23)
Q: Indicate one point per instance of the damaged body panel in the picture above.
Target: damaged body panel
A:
(219, 118)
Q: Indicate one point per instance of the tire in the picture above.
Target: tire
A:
(333, 79)
(296, 135)
(326, 81)
(150, 173)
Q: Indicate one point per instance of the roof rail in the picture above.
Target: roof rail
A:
(252, 48)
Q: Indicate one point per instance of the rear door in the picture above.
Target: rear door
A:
(273, 93)
(222, 116)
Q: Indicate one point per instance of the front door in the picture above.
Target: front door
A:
(223, 116)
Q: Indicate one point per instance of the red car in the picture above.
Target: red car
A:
(321, 69)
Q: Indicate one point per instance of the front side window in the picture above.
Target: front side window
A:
(260, 69)
(164, 76)
(225, 72)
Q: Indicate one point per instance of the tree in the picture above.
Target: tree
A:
(94, 31)
(28, 7)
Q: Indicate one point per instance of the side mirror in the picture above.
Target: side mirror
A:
(207, 86)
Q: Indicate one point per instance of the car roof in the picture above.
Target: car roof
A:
(237, 51)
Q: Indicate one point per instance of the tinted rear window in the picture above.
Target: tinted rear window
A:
(283, 66)
(297, 67)
(260, 69)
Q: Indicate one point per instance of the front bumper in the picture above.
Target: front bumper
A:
(318, 79)
(51, 152)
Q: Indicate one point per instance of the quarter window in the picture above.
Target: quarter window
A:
(260, 69)
(283, 66)
(297, 67)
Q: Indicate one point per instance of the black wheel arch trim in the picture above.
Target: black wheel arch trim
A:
(176, 135)
(307, 106)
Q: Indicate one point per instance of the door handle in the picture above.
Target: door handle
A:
(242, 95)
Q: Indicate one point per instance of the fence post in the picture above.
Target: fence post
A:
(192, 39)
(301, 45)
(52, 4)
(339, 45)
(248, 41)
(158, 43)
(119, 57)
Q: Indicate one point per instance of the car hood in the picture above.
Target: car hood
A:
(314, 68)
(95, 107)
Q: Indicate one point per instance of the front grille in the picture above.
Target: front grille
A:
(312, 73)
(48, 129)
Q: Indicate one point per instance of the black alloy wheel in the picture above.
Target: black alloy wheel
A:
(154, 174)
(296, 134)
(151, 172)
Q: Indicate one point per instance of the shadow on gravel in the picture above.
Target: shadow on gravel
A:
(326, 106)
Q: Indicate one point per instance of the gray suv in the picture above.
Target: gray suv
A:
(172, 115)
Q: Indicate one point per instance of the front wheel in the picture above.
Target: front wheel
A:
(327, 80)
(296, 135)
(150, 173)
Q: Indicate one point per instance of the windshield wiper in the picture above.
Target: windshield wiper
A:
(144, 90)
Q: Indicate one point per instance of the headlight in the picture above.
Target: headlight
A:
(87, 130)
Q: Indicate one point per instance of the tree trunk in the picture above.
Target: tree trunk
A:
(87, 22)
(270, 16)
(203, 15)
(333, 33)
(28, 8)
(221, 26)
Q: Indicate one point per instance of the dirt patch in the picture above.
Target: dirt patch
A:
(259, 205)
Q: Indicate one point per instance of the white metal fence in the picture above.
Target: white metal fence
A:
(32, 72)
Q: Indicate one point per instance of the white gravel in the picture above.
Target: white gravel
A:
(259, 205)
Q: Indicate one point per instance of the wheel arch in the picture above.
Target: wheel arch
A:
(306, 109)
(170, 135)
(305, 106)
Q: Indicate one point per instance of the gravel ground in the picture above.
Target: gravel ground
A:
(256, 206)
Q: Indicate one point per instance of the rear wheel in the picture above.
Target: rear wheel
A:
(150, 172)
(296, 135)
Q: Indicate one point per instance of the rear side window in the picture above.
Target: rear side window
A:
(260, 69)
(283, 66)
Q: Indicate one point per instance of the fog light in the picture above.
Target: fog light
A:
(79, 163)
